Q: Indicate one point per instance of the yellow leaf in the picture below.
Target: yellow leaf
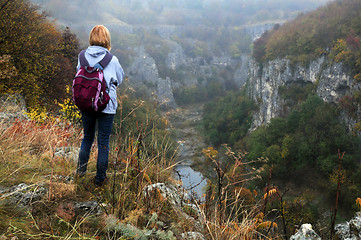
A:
(266, 225)
(259, 217)
(146, 177)
(210, 151)
(270, 192)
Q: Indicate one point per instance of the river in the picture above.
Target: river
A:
(185, 122)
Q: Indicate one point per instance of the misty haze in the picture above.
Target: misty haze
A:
(236, 119)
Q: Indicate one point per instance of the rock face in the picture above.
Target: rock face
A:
(179, 199)
(143, 69)
(23, 194)
(305, 233)
(176, 56)
(181, 69)
(349, 230)
(241, 73)
(145, 77)
(12, 108)
(256, 30)
(176, 196)
(165, 94)
(264, 82)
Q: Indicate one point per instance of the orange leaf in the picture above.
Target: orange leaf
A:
(358, 202)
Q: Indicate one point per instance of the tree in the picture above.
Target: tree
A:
(37, 51)
(69, 46)
(227, 119)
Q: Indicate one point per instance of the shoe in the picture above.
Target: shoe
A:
(100, 183)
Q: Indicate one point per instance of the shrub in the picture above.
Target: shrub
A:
(227, 119)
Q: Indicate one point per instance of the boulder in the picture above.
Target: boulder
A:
(12, 108)
(90, 207)
(71, 153)
(349, 230)
(193, 236)
(176, 196)
(23, 194)
(179, 198)
(305, 233)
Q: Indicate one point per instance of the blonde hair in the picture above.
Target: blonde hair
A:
(100, 36)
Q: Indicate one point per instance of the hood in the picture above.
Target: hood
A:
(96, 51)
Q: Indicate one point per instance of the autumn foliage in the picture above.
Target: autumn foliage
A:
(39, 59)
(332, 31)
(316, 33)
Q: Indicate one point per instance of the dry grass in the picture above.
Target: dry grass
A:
(27, 154)
(231, 211)
(27, 150)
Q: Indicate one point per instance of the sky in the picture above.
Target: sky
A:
(175, 11)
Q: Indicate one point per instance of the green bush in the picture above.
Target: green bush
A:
(227, 119)
(308, 138)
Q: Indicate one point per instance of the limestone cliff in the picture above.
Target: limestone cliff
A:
(145, 78)
(182, 71)
(330, 81)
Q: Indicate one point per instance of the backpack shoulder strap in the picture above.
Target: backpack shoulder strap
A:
(106, 59)
(104, 62)
(82, 59)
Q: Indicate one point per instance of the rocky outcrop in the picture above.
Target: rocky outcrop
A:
(256, 30)
(23, 194)
(165, 94)
(143, 69)
(12, 107)
(176, 196)
(331, 82)
(144, 76)
(241, 73)
(349, 230)
(176, 56)
(305, 233)
(179, 198)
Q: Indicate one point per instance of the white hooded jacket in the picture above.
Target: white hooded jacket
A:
(113, 74)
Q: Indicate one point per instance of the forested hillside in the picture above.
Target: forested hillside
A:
(37, 58)
(333, 30)
(307, 130)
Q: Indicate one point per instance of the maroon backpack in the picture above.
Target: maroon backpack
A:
(89, 87)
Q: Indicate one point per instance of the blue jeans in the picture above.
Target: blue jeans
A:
(105, 122)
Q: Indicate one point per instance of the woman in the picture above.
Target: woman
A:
(99, 40)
